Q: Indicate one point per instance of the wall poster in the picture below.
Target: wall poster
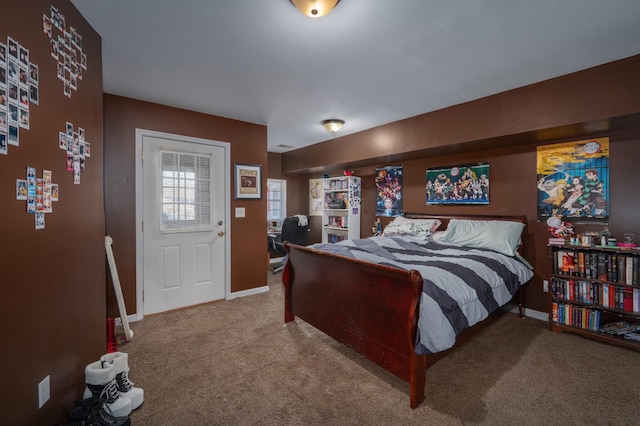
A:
(389, 191)
(461, 184)
(315, 197)
(573, 179)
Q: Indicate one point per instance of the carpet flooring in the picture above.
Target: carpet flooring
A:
(236, 363)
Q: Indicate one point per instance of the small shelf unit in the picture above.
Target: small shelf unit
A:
(595, 292)
(341, 208)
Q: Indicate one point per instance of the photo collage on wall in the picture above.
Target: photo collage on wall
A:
(573, 179)
(460, 184)
(77, 149)
(39, 193)
(18, 89)
(389, 191)
(66, 49)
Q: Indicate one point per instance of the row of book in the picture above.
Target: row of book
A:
(336, 185)
(576, 316)
(589, 319)
(612, 267)
(338, 221)
(596, 293)
(334, 238)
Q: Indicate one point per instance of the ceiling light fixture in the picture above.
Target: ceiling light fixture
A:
(315, 8)
(333, 124)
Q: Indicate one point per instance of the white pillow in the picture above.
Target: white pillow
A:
(418, 228)
(437, 235)
(498, 235)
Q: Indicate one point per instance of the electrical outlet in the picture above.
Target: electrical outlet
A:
(44, 391)
(545, 286)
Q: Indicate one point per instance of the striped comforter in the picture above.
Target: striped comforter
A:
(462, 285)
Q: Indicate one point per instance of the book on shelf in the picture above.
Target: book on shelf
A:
(627, 299)
(337, 221)
(335, 238)
(619, 327)
(634, 335)
(602, 266)
(557, 241)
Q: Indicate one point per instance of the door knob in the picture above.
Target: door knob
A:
(220, 233)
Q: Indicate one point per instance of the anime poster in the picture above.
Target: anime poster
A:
(573, 179)
(465, 184)
(389, 191)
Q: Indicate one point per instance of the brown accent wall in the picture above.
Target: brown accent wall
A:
(601, 99)
(504, 130)
(248, 145)
(513, 192)
(52, 306)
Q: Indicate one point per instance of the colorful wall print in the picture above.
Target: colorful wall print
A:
(39, 193)
(573, 179)
(463, 184)
(389, 191)
(315, 197)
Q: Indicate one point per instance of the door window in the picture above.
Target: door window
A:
(186, 192)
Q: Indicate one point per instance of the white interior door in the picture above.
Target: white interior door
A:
(184, 223)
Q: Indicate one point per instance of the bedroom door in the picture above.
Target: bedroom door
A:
(184, 222)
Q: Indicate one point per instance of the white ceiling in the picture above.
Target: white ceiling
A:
(369, 62)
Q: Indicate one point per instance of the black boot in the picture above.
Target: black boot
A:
(93, 412)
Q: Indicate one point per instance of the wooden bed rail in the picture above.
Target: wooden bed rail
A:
(361, 305)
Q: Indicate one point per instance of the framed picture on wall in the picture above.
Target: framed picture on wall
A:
(459, 184)
(248, 181)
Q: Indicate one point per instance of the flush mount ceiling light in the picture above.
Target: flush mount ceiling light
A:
(333, 124)
(315, 8)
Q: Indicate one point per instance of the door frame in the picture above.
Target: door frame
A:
(140, 133)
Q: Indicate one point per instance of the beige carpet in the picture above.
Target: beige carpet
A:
(236, 363)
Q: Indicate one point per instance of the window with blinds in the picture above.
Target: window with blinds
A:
(186, 192)
(276, 199)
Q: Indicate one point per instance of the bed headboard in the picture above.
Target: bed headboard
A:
(445, 218)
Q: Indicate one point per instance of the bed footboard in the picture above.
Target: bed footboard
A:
(369, 308)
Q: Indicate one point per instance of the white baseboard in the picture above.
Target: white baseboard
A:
(130, 318)
(542, 316)
(249, 292)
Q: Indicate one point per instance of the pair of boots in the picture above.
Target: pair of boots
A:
(108, 381)
(93, 412)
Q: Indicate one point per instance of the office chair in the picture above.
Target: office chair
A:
(291, 232)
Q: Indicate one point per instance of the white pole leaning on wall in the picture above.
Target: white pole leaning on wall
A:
(128, 333)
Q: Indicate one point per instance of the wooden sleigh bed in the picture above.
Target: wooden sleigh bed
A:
(370, 308)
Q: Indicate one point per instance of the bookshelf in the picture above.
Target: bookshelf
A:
(341, 208)
(595, 292)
